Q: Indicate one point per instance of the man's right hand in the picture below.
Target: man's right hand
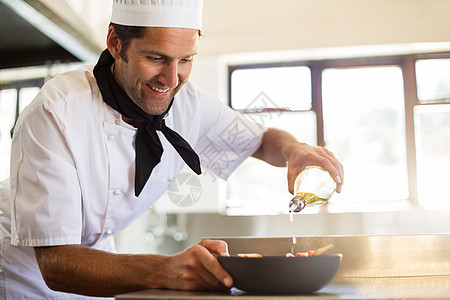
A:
(197, 269)
(86, 271)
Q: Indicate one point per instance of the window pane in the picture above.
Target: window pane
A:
(364, 125)
(433, 79)
(287, 87)
(259, 188)
(432, 126)
(26, 95)
(8, 100)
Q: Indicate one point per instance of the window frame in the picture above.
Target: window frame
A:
(18, 85)
(405, 62)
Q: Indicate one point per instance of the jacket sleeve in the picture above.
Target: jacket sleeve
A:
(45, 194)
(228, 136)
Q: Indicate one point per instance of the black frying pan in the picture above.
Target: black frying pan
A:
(281, 275)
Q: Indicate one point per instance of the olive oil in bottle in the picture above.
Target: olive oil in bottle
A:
(313, 186)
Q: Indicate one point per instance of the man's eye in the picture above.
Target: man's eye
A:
(187, 60)
(152, 58)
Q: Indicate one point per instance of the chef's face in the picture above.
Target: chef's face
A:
(154, 67)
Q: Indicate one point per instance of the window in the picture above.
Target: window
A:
(432, 126)
(386, 118)
(275, 87)
(433, 79)
(432, 130)
(7, 117)
(13, 99)
(364, 125)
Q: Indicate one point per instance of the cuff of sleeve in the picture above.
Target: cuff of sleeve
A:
(45, 241)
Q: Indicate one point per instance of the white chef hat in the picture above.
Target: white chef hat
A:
(158, 13)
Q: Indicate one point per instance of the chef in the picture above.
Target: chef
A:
(99, 145)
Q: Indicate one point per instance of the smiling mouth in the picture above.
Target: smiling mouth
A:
(157, 89)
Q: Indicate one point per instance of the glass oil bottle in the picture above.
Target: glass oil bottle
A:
(313, 186)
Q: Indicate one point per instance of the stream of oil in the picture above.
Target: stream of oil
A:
(309, 200)
(294, 239)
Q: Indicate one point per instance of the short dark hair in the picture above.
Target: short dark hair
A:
(125, 34)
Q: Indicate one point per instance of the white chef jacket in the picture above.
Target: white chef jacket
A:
(73, 166)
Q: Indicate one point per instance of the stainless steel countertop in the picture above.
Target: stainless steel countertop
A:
(373, 267)
(424, 288)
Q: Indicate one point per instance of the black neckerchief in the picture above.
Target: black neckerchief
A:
(148, 146)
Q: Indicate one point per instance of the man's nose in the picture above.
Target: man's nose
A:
(169, 75)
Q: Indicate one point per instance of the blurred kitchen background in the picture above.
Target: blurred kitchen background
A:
(370, 79)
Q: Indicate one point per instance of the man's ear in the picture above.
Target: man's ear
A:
(113, 42)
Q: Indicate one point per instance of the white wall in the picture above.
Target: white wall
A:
(234, 26)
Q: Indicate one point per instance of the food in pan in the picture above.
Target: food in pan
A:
(249, 255)
(318, 251)
(301, 254)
